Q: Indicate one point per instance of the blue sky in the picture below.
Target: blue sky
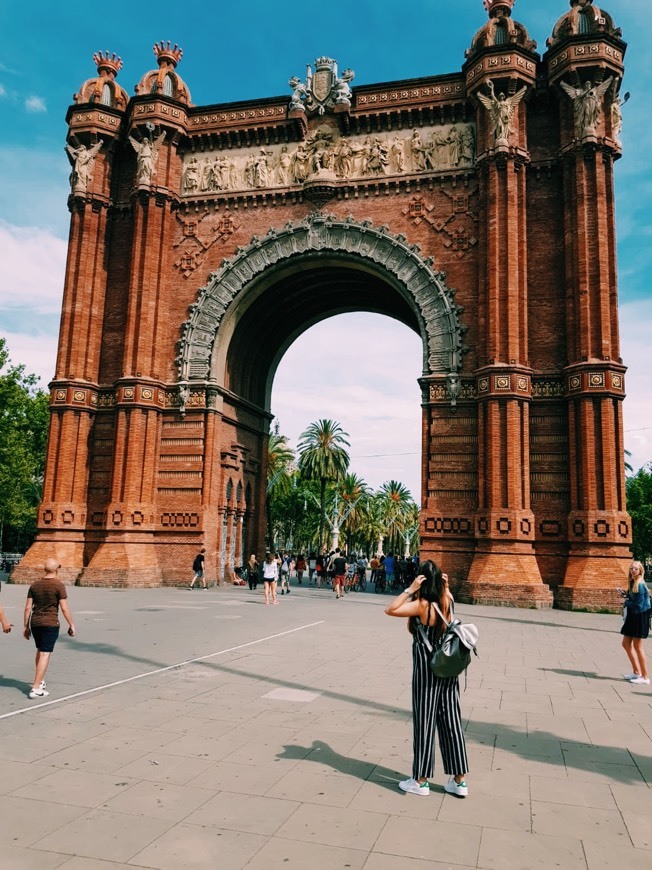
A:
(234, 51)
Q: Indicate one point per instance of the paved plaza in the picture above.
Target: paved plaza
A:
(204, 730)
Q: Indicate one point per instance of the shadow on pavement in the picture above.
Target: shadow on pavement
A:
(322, 753)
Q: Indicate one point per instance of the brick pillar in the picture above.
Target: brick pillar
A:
(62, 515)
(127, 555)
(598, 526)
(504, 568)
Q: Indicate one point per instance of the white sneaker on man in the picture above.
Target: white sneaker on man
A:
(460, 789)
(640, 681)
(413, 786)
(630, 676)
(38, 693)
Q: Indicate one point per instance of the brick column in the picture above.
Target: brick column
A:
(504, 568)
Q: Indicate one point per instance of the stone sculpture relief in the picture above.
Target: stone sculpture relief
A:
(325, 153)
(587, 105)
(501, 108)
(82, 159)
(324, 89)
(147, 157)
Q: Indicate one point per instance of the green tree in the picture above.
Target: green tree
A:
(354, 495)
(280, 462)
(396, 504)
(639, 505)
(322, 457)
(24, 418)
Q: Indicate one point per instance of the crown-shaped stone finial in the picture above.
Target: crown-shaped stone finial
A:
(166, 54)
(492, 6)
(106, 62)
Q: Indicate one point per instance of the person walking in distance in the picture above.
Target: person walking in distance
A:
(636, 626)
(339, 566)
(198, 568)
(285, 574)
(252, 572)
(44, 598)
(4, 622)
(270, 576)
(435, 700)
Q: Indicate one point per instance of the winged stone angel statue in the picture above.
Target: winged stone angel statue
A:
(146, 156)
(82, 159)
(586, 105)
(501, 109)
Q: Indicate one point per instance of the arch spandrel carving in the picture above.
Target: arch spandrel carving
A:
(387, 254)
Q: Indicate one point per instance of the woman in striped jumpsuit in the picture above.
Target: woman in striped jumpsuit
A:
(435, 700)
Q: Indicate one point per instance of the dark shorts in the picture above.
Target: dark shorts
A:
(45, 637)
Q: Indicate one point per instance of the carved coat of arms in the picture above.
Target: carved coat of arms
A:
(323, 89)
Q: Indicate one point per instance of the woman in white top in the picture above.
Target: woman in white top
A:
(270, 576)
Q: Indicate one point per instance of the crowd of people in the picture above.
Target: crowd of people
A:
(341, 571)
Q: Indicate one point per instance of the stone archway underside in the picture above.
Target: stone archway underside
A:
(388, 256)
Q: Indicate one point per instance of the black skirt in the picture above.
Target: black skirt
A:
(636, 624)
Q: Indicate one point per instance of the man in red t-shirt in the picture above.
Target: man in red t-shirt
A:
(44, 598)
(339, 566)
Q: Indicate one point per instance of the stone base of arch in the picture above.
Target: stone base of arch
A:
(505, 575)
(591, 580)
(69, 554)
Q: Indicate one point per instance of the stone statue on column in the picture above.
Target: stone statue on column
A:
(587, 105)
(501, 109)
(82, 159)
(147, 157)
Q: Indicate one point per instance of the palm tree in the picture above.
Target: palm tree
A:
(322, 457)
(396, 501)
(280, 460)
(353, 491)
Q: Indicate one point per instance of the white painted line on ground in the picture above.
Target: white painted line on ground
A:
(157, 671)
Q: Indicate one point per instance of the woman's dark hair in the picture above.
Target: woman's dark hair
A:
(432, 589)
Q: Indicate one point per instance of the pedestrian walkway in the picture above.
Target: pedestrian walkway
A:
(203, 730)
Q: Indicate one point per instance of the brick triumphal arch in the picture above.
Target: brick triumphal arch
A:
(474, 207)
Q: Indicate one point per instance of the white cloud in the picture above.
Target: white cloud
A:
(35, 104)
(3, 91)
(33, 264)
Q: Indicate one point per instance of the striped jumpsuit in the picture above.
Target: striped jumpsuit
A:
(435, 706)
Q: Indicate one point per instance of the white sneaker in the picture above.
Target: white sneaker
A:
(38, 693)
(630, 676)
(460, 789)
(414, 787)
(640, 681)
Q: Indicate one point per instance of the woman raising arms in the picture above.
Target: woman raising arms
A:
(435, 700)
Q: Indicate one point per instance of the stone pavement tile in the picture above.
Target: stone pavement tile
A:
(142, 739)
(606, 773)
(278, 854)
(42, 725)
(644, 764)
(284, 719)
(92, 864)
(526, 703)
(344, 742)
(640, 831)
(509, 813)
(440, 841)
(584, 754)
(15, 747)
(499, 783)
(333, 826)
(23, 821)
(586, 823)
(605, 734)
(616, 856)
(196, 848)
(376, 797)
(147, 714)
(560, 727)
(325, 762)
(87, 709)
(159, 800)
(15, 774)
(241, 778)
(315, 788)
(15, 858)
(196, 745)
(482, 721)
(104, 835)
(504, 850)
(247, 813)
(226, 712)
(539, 765)
(524, 745)
(90, 757)
(572, 791)
(388, 862)
(75, 787)
(159, 767)
(632, 798)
